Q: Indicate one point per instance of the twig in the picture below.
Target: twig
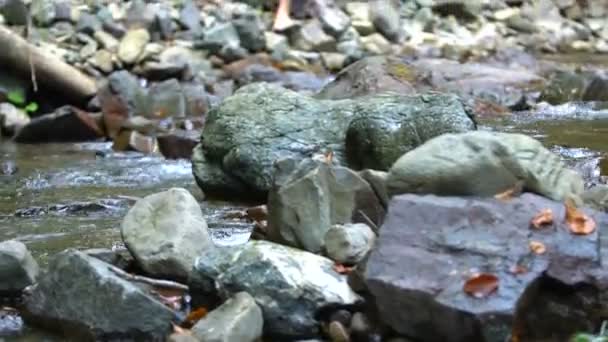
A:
(369, 222)
(149, 281)
(30, 60)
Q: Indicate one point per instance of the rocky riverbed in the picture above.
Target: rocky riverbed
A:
(376, 171)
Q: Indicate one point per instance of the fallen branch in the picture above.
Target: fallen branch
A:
(166, 284)
(51, 72)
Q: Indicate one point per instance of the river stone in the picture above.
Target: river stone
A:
(349, 243)
(333, 20)
(306, 200)
(66, 124)
(597, 90)
(289, 285)
(166, 99)
(18, 269)
(429, 246)
(132, 45)
(14, 12)
(81, 296)
(261, 123)
(564, 86)
(239, 319)
(483, 163)
(165, 232)
(385, 16)
(219, 37)
(250, 28)
(311, 37)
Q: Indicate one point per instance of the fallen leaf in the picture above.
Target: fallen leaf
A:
(195, 315)
(511, 192)
(340, 268)
(518, 269)
(577, 221)
(545, 217)
(481, 285)
(537, 247)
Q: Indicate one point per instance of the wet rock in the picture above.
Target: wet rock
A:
(197, 99)
(66, 124)
(333, 20)
(385, 16)
(447, 240)
(165, 232)
(11, 119)
(370, 76)
(218, 37)
(8, 168)
(244, 144)
(120, 97)
(251, 31)
(311, 37)
(130, 140)
(178, 144)
(296, 220)
(376, 44)
(564, 86)
(120, 258)
(95, 304)
(239, 319)
(166, 100)
(349, 243)
(597, 90)
(132, 45)
(287, 274)
(483, 164)
(14, 12)
(361, 20)
(18, 269)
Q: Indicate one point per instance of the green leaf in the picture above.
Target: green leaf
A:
(31, 107)
(16, 97)
(582, 338)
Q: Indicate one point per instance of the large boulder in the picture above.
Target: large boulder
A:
(66, 124)
(18, 269)
(261, 123)
(430, 246)
(483, 163)
(239, 319)
(306, 200)
(165, 232)
(289, 285)
(80, 296)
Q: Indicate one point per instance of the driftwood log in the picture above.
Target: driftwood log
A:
(51, 73)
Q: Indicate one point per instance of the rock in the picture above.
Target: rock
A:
(239, 319)
(178, 144)
(88, 24)
(189, 16)
(443, 241)
(311, 37)
(166, 100)
(376, 44)
(103, 60)
(371, 76)
(43, 12)
(219, 36)
(107, 41)
(11, 119)
(197, 99)
(243, 145)
(251, 31)
(164, 22)
(385, 16)
(377, 180)
(95, 304)
(140, 15)
(333, 20)
(129, 140)
(564, 86)
(333, 61)
(18, 269)
(165, 232)
(361, 20)
(360, 327)
(14, 12)
(275, 42)
(120, 97)
(66, 124)
(310, 197)
(597, 90)
(337, 332)
(482, 164)
(349, 243)
(276, 277)
(8, 168)
(467, 10)
(120, 258)
(132, 45)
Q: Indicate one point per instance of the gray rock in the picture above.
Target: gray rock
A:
(165, 232)
(311, 37)
(190, 17)
(83, 298)
(88, 23)
(243, 144)
(106, 40)
(384, 14)
(464, 9)
(219, 36)
(197, 99)
(140, 14)
(440, 242)
(361, 20)
(239, 319)
(333, 61)
(275, 42)
(66, 124)
(250, 28)
(349, 243)
(376, 44)
(483, 164)
(333, 20)
(564, 86)
(103, 60)
(167, 98)
(132, 45)
(14, 12)
(163, 21)
(597, 90)
(287, 284)
(18, 269)
(306, 200)
(43, 12)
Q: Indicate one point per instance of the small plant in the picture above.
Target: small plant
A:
(584, 337)
(17, 98)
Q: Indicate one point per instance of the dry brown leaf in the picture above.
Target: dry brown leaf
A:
(195, 315)
(537, 247)
(481, 285)
(545, 217)
(343, 269)
(510, 193)
(577, 221)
